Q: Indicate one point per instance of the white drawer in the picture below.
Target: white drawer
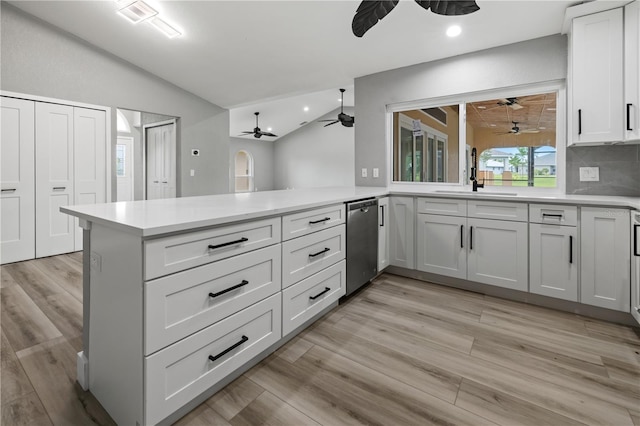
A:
(444, 206)
(172, 254)
(181, 304)
(179, 373)
(299, 224)
(304, 256)
(301, 301)
(553, 214)
(501, 210)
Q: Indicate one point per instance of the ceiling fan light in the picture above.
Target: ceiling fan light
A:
(454, 31)
(137, 11)
(164, 28)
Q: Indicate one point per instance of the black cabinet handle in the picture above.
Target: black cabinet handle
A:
(551, 215)
(326, 249)
(629, 117)
(461, 236)
(230, 243)
(9, 190)
(229, 349)
(635, 240)
(220, 293)
(382, 214)
(59, 188)
(313, 222)
(570, 248)
(579, 121)
(471, 238)
(326, 289)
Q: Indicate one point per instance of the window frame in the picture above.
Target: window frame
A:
(557, 86)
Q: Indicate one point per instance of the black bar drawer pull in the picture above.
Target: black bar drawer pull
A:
(326, 289)
(220, 293)
(570, 248)
(326, 249)
(471, 238)
(636, 249)
(461, 236)
(59, 188)
(313, 222)
(229, 349)
(555, 216)
(9, 190)
(579, 121)
(629, 117)
(382, 214)
(230, 243)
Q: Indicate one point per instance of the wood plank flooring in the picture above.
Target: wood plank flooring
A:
(400, 352)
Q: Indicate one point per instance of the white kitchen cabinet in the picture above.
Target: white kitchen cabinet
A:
(401, 234)
(635, 266)
(632, 71)
(383, 233)
(498, 253)
(605, 258)
(553, 261)
(17, 202)
(441, 245)
(596, 78)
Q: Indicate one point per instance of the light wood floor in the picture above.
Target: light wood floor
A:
(401, 352)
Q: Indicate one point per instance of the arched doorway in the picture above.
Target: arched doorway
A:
(243, 172)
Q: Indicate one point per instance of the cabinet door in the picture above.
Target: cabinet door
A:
(596, 78)
(553, 260)
(632, 71)
(17, 202)
(498, 253)
(89, 135)
(401, 234)
(605, 258)
(441, 245)
(54, 179)
(383, 233)
(635, 266)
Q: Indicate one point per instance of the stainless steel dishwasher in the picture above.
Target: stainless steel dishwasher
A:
(362, 243)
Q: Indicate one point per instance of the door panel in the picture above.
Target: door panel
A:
(124, 169)
(54, 178)
(441, 246)
(17, 202)
(161, 161)
(554, 261)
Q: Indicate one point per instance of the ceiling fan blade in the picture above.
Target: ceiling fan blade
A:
(269, 134)
(450, 7)
(246, 133)
(334, 122)
(515, 106)
(332, 119)
(369, 13)
(530, 131)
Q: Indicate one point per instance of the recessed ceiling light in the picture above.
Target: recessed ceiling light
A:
(269, 129)
(164, 28)
(137, 11)
(551, 109)
(542, 128)
(482, 107)
(492, 125)
(306, 109)
(454, 31)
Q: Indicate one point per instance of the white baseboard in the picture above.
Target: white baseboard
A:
(82, 366)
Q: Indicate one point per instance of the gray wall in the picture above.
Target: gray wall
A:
(39, 59)
(619, 170)
(532, 61)
(315, 156)
(263, 161)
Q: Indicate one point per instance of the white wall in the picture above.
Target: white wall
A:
(39, 59)
(532, 61)
(262, 152)
(315, 156)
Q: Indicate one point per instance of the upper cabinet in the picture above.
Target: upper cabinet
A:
(603, 77)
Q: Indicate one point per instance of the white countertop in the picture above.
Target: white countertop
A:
(155, 217)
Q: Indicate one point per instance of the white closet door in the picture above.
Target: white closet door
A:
(89, 143)
(161, 162)
(54, 179)
(17, 202)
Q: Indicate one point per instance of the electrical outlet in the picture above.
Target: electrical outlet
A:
(95, 261)
(364, 172)
(589, 174)
(376, 172)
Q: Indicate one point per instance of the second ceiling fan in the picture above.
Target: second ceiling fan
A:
(345, 119)
(257, 133)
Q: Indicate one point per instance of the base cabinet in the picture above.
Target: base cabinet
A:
(383, 233)
(553, 261)
(441, 245)
(402, 240)
(605, 258)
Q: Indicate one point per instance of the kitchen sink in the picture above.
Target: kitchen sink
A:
(506, 194)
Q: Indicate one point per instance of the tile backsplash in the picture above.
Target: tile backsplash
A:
(619, 170)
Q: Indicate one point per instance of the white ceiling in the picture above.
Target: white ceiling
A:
(276, 57)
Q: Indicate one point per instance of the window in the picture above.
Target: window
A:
(515, 137)
(121, 152)
(244, 172)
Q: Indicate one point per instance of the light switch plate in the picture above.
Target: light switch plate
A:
(376, 172)
(589, 174)
(364, 172)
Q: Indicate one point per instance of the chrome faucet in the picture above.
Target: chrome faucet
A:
(474, 170)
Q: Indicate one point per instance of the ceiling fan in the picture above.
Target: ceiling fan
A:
(370, 12)
(345, 119)
(257, 133)
(511, 103)
(515, 130)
